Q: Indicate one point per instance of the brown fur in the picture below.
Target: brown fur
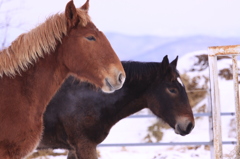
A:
(53, 55)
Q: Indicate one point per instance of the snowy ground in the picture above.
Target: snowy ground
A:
(133, 130)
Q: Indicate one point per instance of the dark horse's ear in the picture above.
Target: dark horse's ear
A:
(165, 64)
(71, 15)
(85, 6)
(174, 62)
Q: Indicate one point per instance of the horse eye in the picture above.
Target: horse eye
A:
(172, 90)
(91, 38)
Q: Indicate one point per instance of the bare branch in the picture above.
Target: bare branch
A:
(6, 22)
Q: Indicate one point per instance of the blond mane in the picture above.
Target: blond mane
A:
(28, 47)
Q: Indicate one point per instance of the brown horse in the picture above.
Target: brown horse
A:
(36, 64)
(78, 117)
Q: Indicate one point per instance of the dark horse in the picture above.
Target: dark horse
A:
(79, 117)
(33, 68)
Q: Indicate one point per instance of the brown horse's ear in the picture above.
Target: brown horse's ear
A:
(165, 64)
(174, 62)
(85, 6)
(71, 14)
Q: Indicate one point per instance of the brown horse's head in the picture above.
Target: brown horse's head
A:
(169, 99)
(86, 52)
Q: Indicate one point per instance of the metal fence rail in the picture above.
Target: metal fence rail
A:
(210, 143)
(164, 144)
(195, 115)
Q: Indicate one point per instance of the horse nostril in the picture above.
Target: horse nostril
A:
(189, 127)
(121, 78)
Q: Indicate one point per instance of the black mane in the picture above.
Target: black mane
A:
(136, 71)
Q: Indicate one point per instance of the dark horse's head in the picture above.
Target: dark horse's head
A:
(169, 100)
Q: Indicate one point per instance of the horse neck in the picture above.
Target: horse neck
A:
(49, 76)
(132, 95)
(41, 81)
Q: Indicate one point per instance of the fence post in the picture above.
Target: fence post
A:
(210, 120)
(215, 103)
(233, 50)
(237, 105)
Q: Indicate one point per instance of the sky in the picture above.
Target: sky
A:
(219, 18)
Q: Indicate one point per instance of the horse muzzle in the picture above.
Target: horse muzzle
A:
(110, 84)
(184, 126)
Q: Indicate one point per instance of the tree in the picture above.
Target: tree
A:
(6, 23)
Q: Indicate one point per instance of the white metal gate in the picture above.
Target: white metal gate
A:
(213, 52)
